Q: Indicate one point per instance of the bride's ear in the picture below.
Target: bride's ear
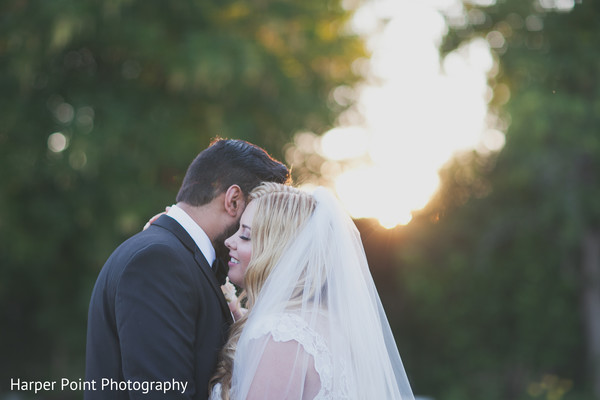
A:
(235, 201)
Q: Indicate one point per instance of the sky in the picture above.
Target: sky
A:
(413, 113)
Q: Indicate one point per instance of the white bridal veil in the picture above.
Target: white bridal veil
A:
(318, 329)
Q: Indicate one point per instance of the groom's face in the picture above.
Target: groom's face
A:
(221, 250)
(239, 202)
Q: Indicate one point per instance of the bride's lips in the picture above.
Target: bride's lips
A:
(233, 261)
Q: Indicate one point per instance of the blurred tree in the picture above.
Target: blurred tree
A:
(510, 247)
(104, 104)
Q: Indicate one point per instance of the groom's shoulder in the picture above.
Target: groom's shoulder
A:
(140, 249)
(151, 239)
(138, 254)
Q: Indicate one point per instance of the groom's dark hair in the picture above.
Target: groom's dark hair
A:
(227, 162)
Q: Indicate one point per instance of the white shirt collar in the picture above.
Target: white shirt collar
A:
(198, 235)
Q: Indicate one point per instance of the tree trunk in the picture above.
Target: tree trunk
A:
(591, 305)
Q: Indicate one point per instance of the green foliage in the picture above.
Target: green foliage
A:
(135, 88)
(491, 302)
(491, 268)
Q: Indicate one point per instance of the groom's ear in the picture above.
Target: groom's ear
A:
(235, 201)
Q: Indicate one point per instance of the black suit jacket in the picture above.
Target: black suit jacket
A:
(156, 314)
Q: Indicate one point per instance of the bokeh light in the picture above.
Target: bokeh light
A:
(57, 142)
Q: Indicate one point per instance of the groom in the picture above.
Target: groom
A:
(157, 318)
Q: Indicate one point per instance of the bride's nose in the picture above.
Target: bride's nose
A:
(228, 243)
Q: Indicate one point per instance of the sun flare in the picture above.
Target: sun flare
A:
(389, 200)
(412, 115)
(416, 112)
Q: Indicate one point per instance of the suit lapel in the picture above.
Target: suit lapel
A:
(173, 226)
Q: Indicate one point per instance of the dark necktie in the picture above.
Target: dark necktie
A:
(220, 270)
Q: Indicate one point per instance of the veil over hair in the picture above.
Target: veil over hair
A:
(317, 328)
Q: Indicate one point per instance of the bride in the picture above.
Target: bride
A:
(315, 327)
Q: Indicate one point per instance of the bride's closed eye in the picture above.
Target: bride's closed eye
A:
(245, 232)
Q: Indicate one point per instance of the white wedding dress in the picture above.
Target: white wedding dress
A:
(317, 329)
(292, 329)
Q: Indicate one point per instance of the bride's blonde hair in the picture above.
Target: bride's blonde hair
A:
(281, 211)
